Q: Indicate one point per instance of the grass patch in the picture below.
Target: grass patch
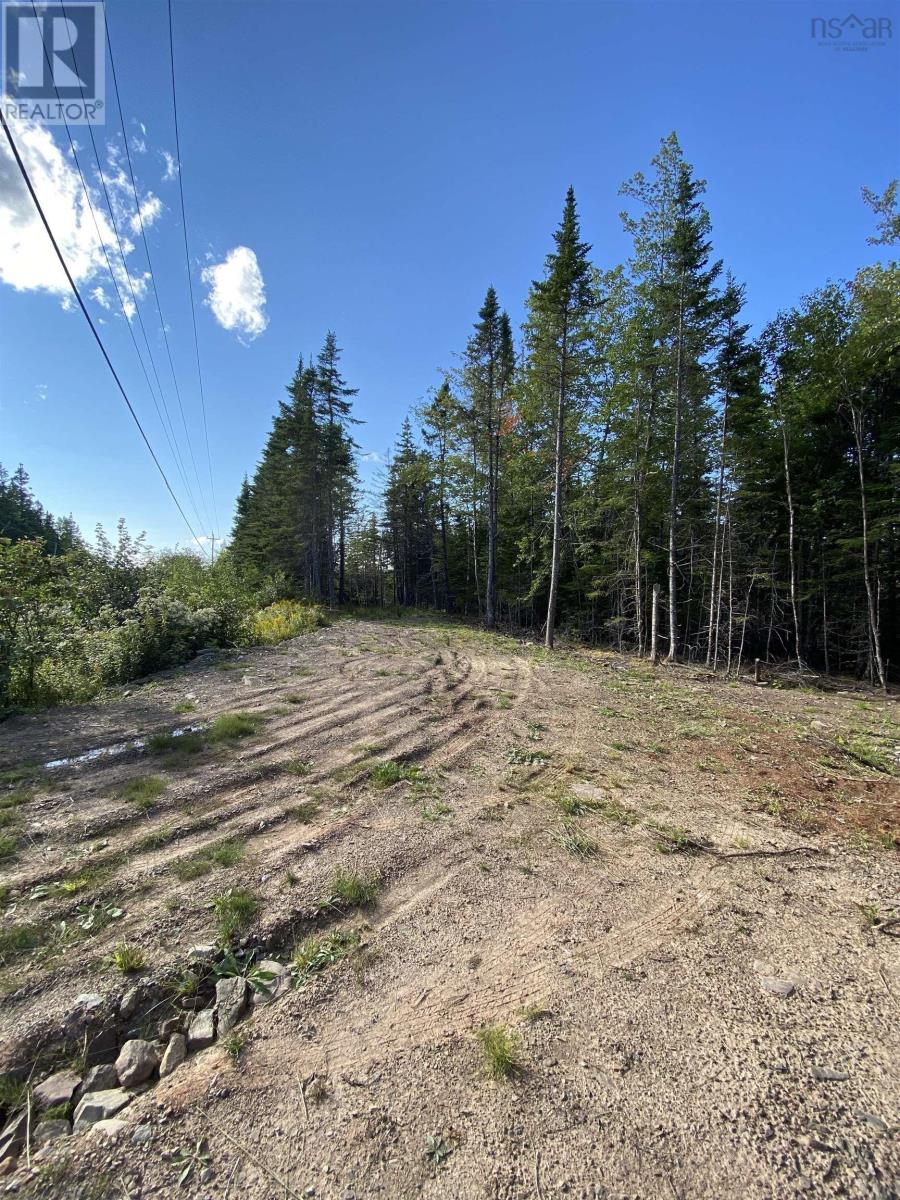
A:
(8, 847)
(186, 706)
(501, 1049)
(127, 958)
(437, 811)
(319, 951)
(574, 839)
(230, 726)
(675, 839)
(296, 766)
(234, 1044)
(868, 754)
(15, 799)
(178, 745)
(304, 812)
(12, 1094)
(349, 890)
(386, 774)
(222, 854)
(295, 698)
(235, 910)
(143, 790)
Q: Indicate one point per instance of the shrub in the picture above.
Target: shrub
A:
(501, 1048)
(281, 620)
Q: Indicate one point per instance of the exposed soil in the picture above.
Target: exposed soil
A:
(729, 834)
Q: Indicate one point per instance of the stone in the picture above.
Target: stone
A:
(136, 1062)
(56, 1089)
(111, 1128)
(12, 1136)
(87, 1001)
(99, 1079)
(231, 1000)
(277, 985)
(202, 1031)
(142, 1135)
(829, 1075)
(129, 1003)
(168, 1027)
(780, 987)
(49, 1131)
(99, 1106)
(173, 1055)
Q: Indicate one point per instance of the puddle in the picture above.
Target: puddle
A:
(113, 750)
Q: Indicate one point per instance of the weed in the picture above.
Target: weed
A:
(534, 1012)
(386, 774)
(234, 1044)
(191, 1160)
(516, 756)
(15, 799)
(501, 1048)
(234, 909)
(349, 890)
(56, 1112)
(227, 854)
(96, 916)
(186, 983)
(16, 940)
(127, 958)
(257, 978)
(295, 698)
(231, 726)
(865, 752)
(221, 854)
(176, 745)
(871, 914)
(573, 838)
(186, 869)
(437, 1149)
(13, 1093)
(438, 811)
(504, 700)
(154, 840)
(296, 766)
(740, 842)
(143, 790)
(319, 951)
(186, 706)
(8, 847)
(674, 839)
(8, 818)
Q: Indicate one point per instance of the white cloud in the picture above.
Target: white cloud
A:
(151, 207)
(171, 170)
(28, 261)
(139, 145)
(237, 294)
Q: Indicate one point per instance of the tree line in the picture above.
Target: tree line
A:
(635, 469)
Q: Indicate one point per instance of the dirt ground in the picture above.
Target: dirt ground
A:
(615, 863)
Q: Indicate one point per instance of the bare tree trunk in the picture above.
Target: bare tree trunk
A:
(713, 609)
(872, 604)
(557, 495)
(791, 523)
(676, 467)
(654, 626)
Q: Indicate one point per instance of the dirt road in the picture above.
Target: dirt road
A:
(672, 894)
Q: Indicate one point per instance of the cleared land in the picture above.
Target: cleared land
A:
(556, 906)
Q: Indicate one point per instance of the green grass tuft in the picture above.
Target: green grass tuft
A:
(386, 774)
(349, 890)
(143, 790)
(127, 958)
(319, 951)
(235, 910)
(501, 1048)
(231, 726)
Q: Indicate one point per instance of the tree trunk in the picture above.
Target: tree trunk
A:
(557, 496)
(872, 604)
(676, 467)
(713, 632)
(654, 626)
(791, 555)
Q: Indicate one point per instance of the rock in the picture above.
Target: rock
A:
(111, 1128)
(780, 987)
(202, 1031)
(129, 1003)
(49, 1131)
(168, 1027)
(205, 952)
(8, 1165)
(12, 1136)
(174, 1055)
(142, 1135)
(88, 1001)
(829, 1075)
(99, 1079)
(136, 1062)
(276, 986)
(206, 1175)
(231, 1000)
(56, 1089)
(99, 1106)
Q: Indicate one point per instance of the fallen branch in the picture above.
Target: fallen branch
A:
(257, 1162)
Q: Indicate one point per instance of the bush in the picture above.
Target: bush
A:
(281, 620)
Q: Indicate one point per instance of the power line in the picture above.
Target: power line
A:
(87, 317)
(134, 298)
(140, 217)
(187, 259)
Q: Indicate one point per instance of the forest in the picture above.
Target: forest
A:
(633, 469)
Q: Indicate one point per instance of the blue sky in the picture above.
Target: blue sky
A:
(384, 162)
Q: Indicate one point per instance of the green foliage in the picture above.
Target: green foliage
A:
(502, 1051)
(386, 774)
(282, 620)
(231, 726)
(319, 951)
(127, 958)
(230, 966)
(234, 910)
(143, 790)
(351, 890)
